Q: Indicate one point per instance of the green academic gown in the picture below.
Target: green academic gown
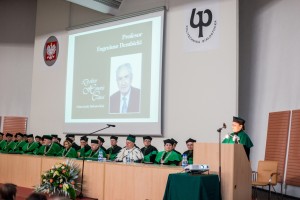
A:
(189, 155)
(83, 150)
(18, 147)
(244, 140)
(2, 144)
(8, 147)
(113, 152)
(30, 148)
(68, 153)
(93, 155)
(51, 150)
(168, 158)
(149, 153)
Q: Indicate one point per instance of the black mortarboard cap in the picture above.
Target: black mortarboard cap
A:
(168, 141)
(49, 137)
(101, 139)
(94, 141)
(84, 138)
(174, 141)
(70, 135)
(30, 135)
(239, 120)
(9, 135)
(19, 134)
(190, 140)
(147, 137)
(114, 137)
(38, 137)
(54, 135)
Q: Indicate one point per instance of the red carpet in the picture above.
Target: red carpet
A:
(23, 193)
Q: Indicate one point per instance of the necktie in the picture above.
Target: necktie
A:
(124, 105)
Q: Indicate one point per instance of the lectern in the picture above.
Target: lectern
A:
(236, 170)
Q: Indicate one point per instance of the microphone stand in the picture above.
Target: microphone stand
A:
(80, 195)
(219, 131)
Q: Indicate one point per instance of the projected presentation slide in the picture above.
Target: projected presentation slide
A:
(114, 72)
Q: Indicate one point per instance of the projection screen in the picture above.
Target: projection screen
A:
(114, 75)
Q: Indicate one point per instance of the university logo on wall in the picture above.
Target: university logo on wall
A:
(51, 50)
(201, 26)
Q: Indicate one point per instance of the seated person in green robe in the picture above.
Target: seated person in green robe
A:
(10, 144)
(239, 136)
(74, 145)
(130, 152)
(168, 156)
(49, 148)
(30, 146)
(25, 137)
(101, 142)
(93, 153)
(174, 146)
(68, 151)
(56, 140)
(84, 147)
(40, 142)
(19, 143)
(148, 150)
(2, 141)
(112, 152)
(37, 138)
(189, 152)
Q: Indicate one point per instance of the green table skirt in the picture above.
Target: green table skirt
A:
(186, 186)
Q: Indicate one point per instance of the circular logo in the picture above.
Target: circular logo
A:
(202, 26)
(51, 50)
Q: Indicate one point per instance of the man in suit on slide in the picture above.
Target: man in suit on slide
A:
(127, 99)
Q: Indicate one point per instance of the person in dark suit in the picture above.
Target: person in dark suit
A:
(127, 99)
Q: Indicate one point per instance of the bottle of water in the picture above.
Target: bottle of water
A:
(184, 162)
(128, 158)
(100, 156)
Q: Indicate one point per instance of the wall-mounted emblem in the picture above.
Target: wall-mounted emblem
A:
(201, 27)
(51, 50)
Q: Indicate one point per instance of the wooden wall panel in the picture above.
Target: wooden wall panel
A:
(14, 124)
(277, 138)
(293, 164)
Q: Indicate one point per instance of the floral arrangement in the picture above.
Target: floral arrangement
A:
(60, 180)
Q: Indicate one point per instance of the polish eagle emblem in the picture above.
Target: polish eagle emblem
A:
(51, 51)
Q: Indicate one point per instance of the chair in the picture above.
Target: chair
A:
(266, 175)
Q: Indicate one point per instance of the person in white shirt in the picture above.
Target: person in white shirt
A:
(130, 152)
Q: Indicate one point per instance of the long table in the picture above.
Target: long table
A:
(102, 180)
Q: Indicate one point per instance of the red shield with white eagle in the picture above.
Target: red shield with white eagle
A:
(51, 50)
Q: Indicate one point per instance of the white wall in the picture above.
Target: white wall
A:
(198, 95)
(17, 22)
(269, 67)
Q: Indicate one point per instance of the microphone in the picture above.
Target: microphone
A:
(223, 127)
(111, 125)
